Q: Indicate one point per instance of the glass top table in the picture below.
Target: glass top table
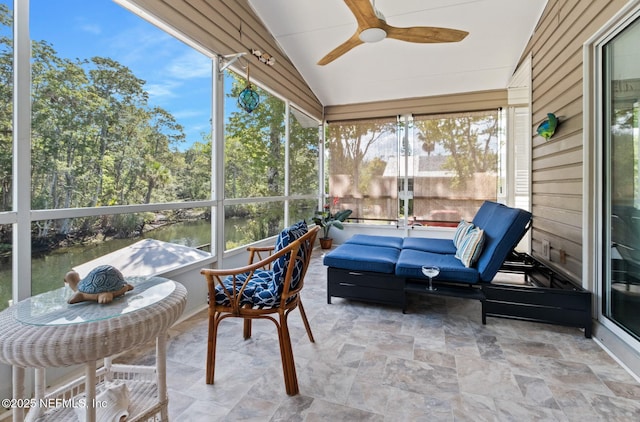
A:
(44, 331)
(51, 308)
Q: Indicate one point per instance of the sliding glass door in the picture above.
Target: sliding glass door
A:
(621, 205)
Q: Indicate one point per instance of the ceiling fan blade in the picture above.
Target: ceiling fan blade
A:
(424, 34)
(352, 42)
(364, 13)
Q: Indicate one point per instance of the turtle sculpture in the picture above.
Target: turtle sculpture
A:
(101, 285)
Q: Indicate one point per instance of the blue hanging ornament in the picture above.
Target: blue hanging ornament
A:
(248, 98)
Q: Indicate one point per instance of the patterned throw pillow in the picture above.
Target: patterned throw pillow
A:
(463, 228)
(285, 238)
(471, 247)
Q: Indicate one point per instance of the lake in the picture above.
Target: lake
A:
(47, 271)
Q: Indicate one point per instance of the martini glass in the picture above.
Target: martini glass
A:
(430, 272)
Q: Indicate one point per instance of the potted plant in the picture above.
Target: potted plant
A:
(326, 219)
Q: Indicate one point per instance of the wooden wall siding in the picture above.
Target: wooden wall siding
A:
(557, 164)
(474, 101)
(230, 26)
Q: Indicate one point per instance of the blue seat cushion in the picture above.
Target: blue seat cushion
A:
(425, 244)
(410, 264)
(371, 240)
(259, 290)
(351, 256)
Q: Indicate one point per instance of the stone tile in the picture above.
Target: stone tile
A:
(435, 358)
(327, 380)
(391, 344)
(251, 409)
(624, 389)
(533, 348)
(573, 374)
(421, 378)
(435, 342)
(614, 408)
(573, 403)
(372, 367)
(197, 410)
(535, 391)
(512, 410)
(374, 363)
(487, 378)
(409, 406)
(461, 345)
(473, 408)
(489, 347)
(368, 395)
(292, 409)
(321, 411)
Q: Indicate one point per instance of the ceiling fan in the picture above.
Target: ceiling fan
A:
(372, 27)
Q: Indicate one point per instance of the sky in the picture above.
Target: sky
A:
(178, 78)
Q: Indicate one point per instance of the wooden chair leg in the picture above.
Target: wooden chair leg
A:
(211, 347)
(305, 321)
(286, 353)
(247, 328)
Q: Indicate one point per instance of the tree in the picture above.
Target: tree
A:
(6, 112)
(469, 140)
(197, 170)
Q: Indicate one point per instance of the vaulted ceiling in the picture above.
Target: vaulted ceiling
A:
(307, 30)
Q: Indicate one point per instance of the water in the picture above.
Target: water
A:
(47, 271)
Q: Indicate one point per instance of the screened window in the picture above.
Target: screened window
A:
(6, 149)
(254, 144)
(114, 114)
(363, 169)
(5, 267)
(453, 161)
(304, 156)
(249, 222)
(256, 166)
(120, 115)
(6, 104)
(425, 170)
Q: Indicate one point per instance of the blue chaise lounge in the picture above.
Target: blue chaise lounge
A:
(383, 269)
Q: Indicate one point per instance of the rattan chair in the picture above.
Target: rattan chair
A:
(262, 289)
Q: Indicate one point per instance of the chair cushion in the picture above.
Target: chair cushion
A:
(471, 247)
(256, 292)
(285, 238)
(410, 264)
(427, 244)
(351, 256)
(386, 241)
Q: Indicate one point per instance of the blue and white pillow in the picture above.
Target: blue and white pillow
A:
(265, 286)
(286, 236)
(471, 247)
(461, 231)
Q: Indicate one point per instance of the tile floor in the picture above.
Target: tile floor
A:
(437, 362)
